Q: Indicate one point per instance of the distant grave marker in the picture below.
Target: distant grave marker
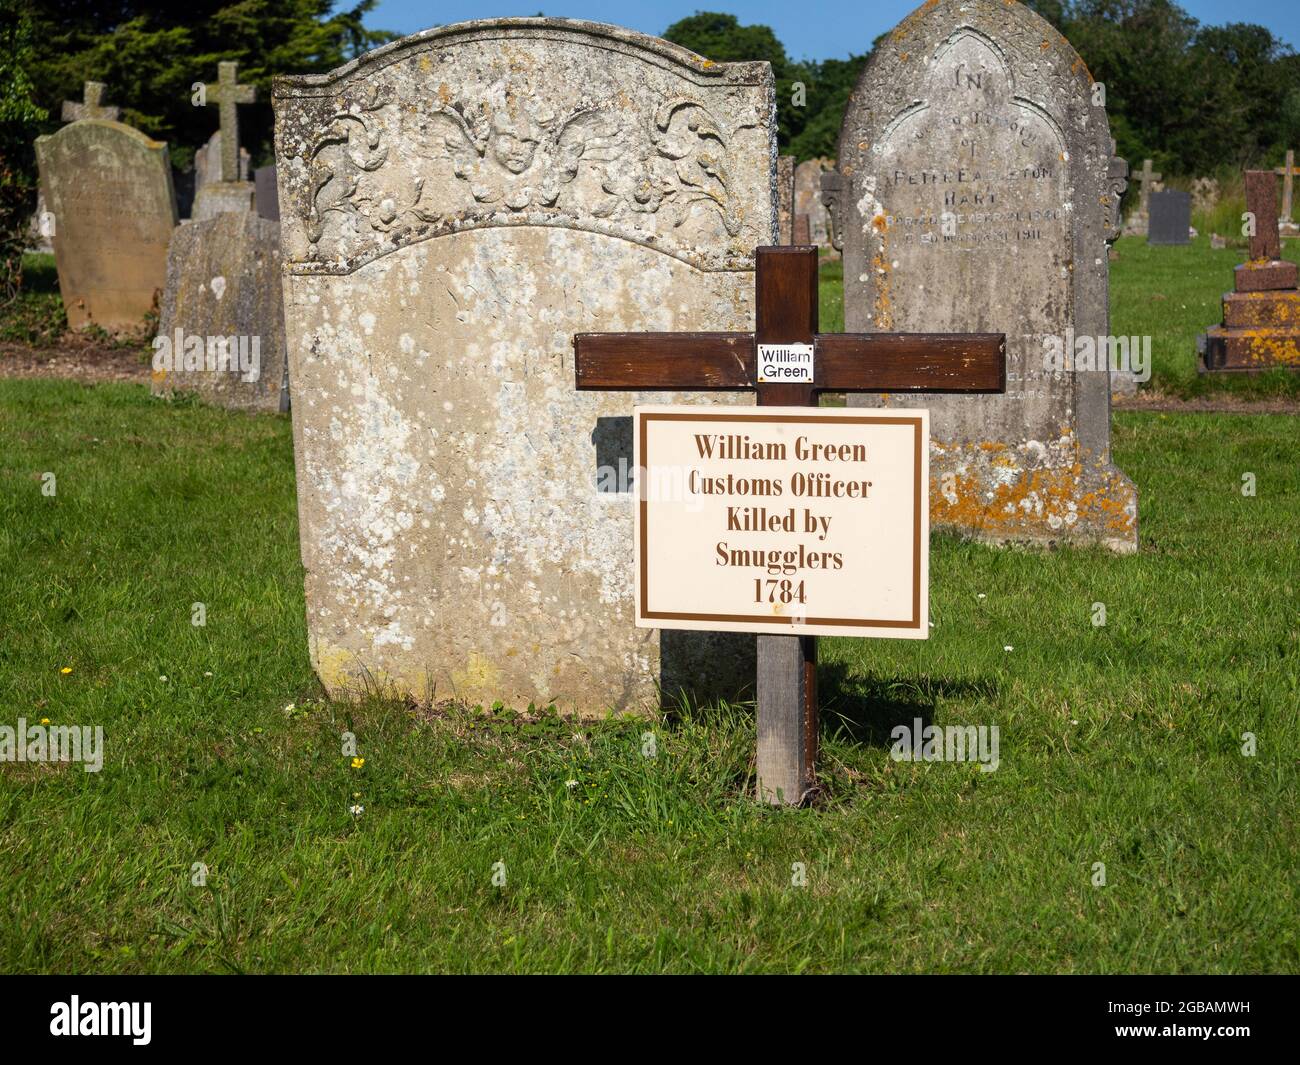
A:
(1261, 319)
(1170, 218)
(108, 189)
(90, 105)
(233, 192)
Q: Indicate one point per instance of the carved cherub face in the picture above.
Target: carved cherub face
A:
(513, 146)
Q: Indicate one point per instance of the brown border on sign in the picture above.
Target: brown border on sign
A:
(768, 619)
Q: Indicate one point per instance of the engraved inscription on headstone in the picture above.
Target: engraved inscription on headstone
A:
(977, 192)
(109, 190)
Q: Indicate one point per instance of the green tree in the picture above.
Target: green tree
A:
(723, 39)
(150, 54)
(19, 120)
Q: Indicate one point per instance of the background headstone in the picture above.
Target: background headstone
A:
(978, 193)
(455, 207)
(207, 163)
(109, 188)
(1171, 218)
(1261, 319)
(266, 199)
(1287, 225)
(232, 191)
(223, 283)
(785, 198)
(1205, 194)
(808, 198)
(1147, 181)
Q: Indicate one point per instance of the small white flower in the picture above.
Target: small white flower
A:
(207, 672)
(1008, 647)
(932, 624)
(981, 596)
(163, 679)
(289, 709)
(356, 809)
(570, 784)
(1073, 722)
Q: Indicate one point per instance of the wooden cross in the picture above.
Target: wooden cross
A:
(786, 313)
(228, 94)
(90, 107)
(1288, 174)
(1145, 177)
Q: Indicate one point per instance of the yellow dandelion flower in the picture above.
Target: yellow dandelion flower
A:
(357, 763)
(66, 670)
(45, 721)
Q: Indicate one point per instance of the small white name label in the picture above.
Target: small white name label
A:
(785, 363)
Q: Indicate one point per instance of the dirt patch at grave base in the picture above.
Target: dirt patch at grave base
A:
(1162, 403)
(85, 359)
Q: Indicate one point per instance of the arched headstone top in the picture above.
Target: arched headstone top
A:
(532, 122)
(1007, 53)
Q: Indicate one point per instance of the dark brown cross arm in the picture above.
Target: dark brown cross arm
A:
(785, 311)
(843, 362)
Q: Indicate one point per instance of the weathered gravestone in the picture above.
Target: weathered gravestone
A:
(207, 162)
(808, 199)
(221, 330)
(1205, 194)
(785, 199)
(455, 207)
(234, 192)
(108, 188)
(1261, 319)
(266, 199)
(1171, 218)
(977, 192)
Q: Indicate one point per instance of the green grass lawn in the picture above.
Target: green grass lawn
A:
(1119, 744)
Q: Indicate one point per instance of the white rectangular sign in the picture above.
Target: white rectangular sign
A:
(789, 520)
(785, 363)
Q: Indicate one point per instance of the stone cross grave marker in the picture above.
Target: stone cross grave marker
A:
(977, 192)
(455, 206)
(90, 106)
(228, 96)
(786, 312)
(233, 192)
(1146, 178)
(1287, 224)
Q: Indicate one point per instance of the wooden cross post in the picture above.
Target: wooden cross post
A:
(229, 93)
(786, 313)
(90, 107)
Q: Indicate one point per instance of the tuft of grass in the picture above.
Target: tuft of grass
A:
(220, 837)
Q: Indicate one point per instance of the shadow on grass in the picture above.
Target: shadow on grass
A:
(865, 710)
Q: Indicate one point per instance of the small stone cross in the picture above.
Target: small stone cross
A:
(90, 107)
(228, 94)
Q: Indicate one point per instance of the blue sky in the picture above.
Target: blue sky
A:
(810, 29)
